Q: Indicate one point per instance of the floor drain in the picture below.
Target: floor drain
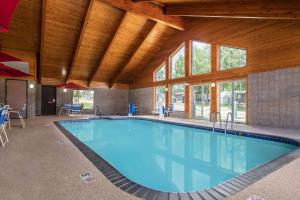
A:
(255, 197)
(61, 142)
(87, 177)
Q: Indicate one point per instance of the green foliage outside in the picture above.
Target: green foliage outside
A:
(160, 74)
(200, 58)
(232, 58)
(85, 97)
(177, 62)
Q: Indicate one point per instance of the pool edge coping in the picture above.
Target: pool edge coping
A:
(221, 191)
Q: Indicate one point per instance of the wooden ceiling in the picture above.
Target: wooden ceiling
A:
(107, 42)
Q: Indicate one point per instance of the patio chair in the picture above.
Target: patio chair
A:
(19, 116)
(170, 110)
(3, 122)
(65, 108)
(75, 108)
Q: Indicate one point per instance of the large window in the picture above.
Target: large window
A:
(85, 97)
(177, 97)
(232, 98)
(160, 74)
(200, 58)
(160, 96)
(232, 58)
(177, 64)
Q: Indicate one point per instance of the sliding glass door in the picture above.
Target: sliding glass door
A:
(232, 98)
(201, 102)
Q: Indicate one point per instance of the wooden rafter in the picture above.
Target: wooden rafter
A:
(121, 70)
(149, 11)
(252, 9)
(83, 28)
(109, 45)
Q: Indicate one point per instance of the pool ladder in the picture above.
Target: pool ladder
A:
(97, 111)
(214, 117)
(227, 120)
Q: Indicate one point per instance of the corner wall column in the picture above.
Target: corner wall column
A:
(188, 99)
(214, 68)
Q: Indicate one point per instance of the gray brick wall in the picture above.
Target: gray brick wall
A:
(143, 99)
(274, 98)
(112, 101)
(31, 100)
(2, 91)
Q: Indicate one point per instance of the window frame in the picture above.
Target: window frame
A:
(233, 47)
(210, 58)
(183, 45)
(157, 69)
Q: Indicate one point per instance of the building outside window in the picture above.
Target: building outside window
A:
(177, 96)
(85, 97)
(160, 96)
(232, 57)
(232, 98)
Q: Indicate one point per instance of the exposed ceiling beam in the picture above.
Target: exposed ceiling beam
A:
(251, 9)
(109, 45)
(83, 28)
(147, 33)
(149, 11)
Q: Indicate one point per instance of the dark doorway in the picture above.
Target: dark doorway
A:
(16, 95)
(48, 100)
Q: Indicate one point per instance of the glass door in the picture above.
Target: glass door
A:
(201, 102)
(232, 98)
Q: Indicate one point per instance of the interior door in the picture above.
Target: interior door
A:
(48, 100)
(16, 95)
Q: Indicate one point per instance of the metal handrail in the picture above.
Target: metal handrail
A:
(227, 118)
(215, 119)
(97, 111)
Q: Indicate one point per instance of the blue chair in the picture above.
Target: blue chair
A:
(170, 110)
(3, 121)
(75, 108)
(133, 109)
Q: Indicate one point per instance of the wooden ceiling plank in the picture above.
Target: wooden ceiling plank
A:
(253, 9)
(149, 11)
(121, 70)
(113, 37)
(83, 28)
(42, 50)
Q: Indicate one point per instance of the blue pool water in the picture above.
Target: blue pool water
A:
(173, 158)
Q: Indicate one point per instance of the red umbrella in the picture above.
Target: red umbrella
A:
(7, 8)
(6, 71)
(7, 58)
(72, 86)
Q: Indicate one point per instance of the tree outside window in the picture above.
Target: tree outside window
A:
(177, 64)
(85, 97)
(232, 58)
(200, 57)
(160, 74)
